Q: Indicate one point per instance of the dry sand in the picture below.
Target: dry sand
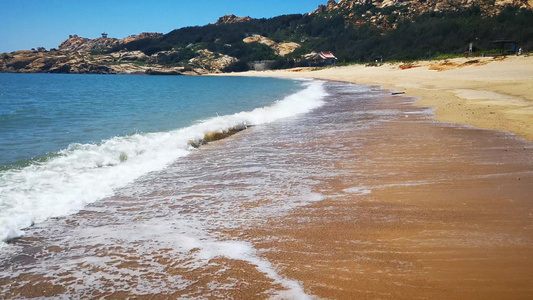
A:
(492, 93)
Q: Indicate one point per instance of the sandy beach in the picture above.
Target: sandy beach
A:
(432, 210)
(486, 92)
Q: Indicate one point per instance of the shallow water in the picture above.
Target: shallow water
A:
(177, 217)
(45, 113)
(96, 134)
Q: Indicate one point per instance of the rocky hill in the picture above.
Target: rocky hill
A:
(354, 30)
(388, 13)
(423, 6)
(429, 4)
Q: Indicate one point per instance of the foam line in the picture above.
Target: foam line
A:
(85, 173)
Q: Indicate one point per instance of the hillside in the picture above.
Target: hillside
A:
(354, 30)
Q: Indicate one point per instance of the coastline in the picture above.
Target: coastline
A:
(485, 92)
(427, 210)
(364, 197)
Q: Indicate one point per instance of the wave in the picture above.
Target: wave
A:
(85, 173)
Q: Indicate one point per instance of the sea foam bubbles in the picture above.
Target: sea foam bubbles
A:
(85, 173)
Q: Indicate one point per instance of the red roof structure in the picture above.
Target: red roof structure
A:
(327, 55)
(320, 59)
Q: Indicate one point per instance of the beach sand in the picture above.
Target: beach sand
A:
(492, 93)
(433, 210)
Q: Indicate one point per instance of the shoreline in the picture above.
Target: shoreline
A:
(418, 209)
(381, 203)
(485, 92)
(428, 210)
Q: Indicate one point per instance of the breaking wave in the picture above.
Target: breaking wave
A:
(84, 173)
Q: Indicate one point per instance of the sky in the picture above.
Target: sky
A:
(26, 24)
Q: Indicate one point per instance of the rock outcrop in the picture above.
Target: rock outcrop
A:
(210, 62)
(359, 12)
(140, 36)
(331, 5)
(421, 6)
(76, 43)
(125, 56)
(80, 62)
(228, 19)
(122, 62)
(281, 49)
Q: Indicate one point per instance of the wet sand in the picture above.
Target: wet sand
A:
(432, 211)
(461, 227)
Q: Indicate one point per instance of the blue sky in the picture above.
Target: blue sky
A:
(26, 24)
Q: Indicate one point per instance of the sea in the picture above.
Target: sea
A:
(125, 183)
(70, 140)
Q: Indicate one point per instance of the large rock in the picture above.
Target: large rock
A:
(76, 43)
(281, 49)
(259, 39)
(228, 19)
(210, 62)
(129, 56)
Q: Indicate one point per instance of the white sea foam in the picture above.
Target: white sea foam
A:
(358, 190)
(85, 173)
(365, 190)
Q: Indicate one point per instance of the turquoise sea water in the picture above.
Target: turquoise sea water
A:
(45, 113)
(70, 140)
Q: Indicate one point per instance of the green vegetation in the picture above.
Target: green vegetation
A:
(175, 57)
(352, 39)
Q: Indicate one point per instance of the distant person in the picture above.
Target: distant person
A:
(513, 48)
(520, 51)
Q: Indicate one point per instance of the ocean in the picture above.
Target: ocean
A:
(104, 191)
(70, 140)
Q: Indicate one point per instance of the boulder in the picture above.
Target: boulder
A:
(281, 49)
(210, 62)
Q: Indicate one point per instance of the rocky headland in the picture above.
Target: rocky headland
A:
(81, 55)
